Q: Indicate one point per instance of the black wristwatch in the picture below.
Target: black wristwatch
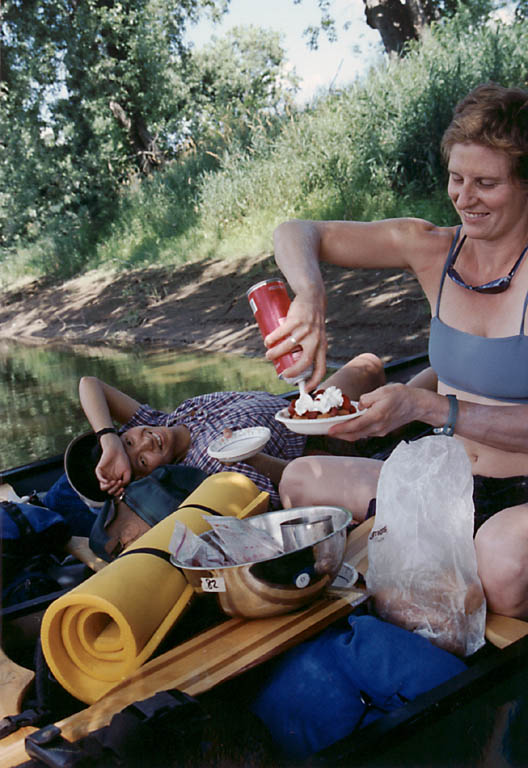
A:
(105, 431)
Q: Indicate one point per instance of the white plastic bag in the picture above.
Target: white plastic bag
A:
(422, 561)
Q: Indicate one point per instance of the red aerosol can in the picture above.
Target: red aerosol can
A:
(269, 302)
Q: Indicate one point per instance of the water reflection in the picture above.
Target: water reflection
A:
(39, 406)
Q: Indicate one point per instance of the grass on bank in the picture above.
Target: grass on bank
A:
(370, 151)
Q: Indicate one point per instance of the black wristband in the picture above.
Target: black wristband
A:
(449, 427)
(105, 431)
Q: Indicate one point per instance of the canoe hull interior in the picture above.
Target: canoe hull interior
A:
(477, 718)
(36, 476)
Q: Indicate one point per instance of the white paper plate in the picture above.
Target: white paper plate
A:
(241, 445)
(313, 426)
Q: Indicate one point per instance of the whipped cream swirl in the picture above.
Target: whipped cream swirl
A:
(323, 402)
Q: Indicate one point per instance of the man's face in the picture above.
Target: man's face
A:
(148, 448)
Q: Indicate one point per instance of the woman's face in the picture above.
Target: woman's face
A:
(150, 447)
(490, 202)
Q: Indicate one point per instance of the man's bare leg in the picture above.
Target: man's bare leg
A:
(361, 374)
(331, 480)
(426, 379)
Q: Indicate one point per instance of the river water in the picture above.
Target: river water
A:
(39, 404)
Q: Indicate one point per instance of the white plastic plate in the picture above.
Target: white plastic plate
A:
(313, 426)
(241, 445)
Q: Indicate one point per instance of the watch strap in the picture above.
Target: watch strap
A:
(105, 431)
(449, 427)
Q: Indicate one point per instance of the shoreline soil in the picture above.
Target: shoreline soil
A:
(203, 306)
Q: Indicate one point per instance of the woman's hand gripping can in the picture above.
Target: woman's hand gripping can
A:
(269, 302)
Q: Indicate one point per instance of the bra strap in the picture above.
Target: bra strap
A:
(448, 261)
(525, 307)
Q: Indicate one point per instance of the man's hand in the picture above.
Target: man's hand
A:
(113, 470)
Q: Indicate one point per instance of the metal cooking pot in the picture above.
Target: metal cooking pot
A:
(315, 540)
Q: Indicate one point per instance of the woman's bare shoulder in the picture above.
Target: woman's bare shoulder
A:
(424, 241)
(421, 230)
(427, 249)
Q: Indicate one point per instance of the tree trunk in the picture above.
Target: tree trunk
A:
(397, 21)
(144, 144)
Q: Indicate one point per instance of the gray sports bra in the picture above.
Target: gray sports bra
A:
(494, 367)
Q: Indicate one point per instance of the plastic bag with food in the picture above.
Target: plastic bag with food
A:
(422, 562)
(243, 542)
(229, 542)
(187, 548)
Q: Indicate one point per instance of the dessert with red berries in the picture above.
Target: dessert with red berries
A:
(322, 404)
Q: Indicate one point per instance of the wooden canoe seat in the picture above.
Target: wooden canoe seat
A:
(504, 630)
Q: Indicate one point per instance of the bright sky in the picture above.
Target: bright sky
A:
(335, 64)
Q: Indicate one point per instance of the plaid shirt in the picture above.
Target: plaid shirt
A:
(206, 416)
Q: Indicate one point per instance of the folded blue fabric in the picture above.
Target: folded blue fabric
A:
(317, 693)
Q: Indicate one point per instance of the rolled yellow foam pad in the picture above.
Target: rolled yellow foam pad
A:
(104, 629)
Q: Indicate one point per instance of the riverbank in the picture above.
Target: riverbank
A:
(203, 306)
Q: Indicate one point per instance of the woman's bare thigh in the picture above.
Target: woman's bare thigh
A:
(502, 555)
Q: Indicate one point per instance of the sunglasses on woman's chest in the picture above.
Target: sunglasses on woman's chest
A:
(494, 286)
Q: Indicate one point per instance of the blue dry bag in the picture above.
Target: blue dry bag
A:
(344, 679)
(30, 534)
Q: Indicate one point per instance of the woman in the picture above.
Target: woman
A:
(475, 277)
(150, 438)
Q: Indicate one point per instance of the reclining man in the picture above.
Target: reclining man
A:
(148, 439)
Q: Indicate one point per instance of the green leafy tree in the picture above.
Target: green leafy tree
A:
(521, 10)
(237, 87)
(96, 92)
(86, 88)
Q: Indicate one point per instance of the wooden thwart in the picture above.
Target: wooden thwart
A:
(14, 682)
(196, 666)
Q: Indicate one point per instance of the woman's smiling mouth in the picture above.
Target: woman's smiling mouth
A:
(472, 215)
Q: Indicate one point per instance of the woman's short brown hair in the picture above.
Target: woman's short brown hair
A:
(496, 117)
